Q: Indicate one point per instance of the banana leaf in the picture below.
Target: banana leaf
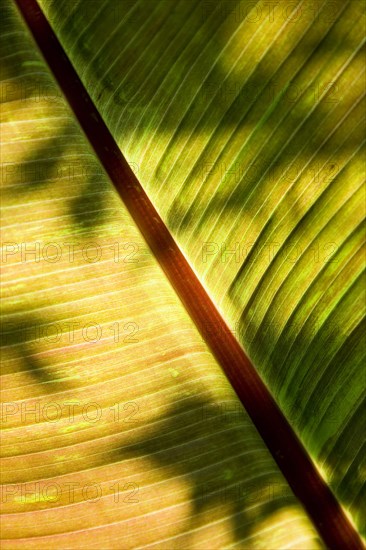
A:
(243, 122)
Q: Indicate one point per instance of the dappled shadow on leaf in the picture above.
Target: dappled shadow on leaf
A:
(216, 449)
(52, 165)
(257, 103)
(266, 97)
(89, 209)
(342, 459)
(24, 338)
(17, 55)
(42, 165)
(49, 163)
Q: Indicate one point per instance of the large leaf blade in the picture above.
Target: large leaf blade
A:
(184, 452)
(272, 163)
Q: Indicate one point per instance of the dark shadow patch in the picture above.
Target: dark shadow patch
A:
(189, 441)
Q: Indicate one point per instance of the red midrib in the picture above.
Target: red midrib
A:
(290, 455)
